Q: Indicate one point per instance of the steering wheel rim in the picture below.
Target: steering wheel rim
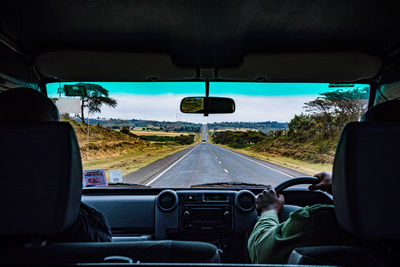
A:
(295, 181)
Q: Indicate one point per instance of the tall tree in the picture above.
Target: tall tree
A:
(96, 97)
(302, 126)
(322, 112)
(349, 105)
(334, 109)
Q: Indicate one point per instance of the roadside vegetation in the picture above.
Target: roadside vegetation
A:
(159, 133)
(310, 140)
(265, 126)
(121, 150)
(112, 144)
(180, 139)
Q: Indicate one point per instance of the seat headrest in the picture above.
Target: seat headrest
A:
(25, 104)
(387, 111)
(366, 179)
(41, 178)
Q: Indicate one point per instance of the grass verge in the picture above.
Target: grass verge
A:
(133, 160)
(294, 164)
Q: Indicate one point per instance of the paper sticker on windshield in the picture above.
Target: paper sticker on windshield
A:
(115, 176)
(94, 178)
(68, 105)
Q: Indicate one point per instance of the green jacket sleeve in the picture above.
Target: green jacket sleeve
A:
(265, 223)
(272, 242)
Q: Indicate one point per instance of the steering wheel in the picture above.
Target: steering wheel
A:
(287, 209)
(296, 181)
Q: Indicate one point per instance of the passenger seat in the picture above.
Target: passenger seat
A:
(41, 178)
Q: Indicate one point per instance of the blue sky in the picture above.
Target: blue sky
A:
(236, 88)
(254, 101)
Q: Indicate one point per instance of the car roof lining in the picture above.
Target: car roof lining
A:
(308, 67)
(205, 34)
(101, 66)
(305, 67)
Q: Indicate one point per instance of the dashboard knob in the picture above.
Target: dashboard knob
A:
(167, 200)
(186, 213)
(226, 213)
(245, 201)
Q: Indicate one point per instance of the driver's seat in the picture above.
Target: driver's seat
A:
(366, 183)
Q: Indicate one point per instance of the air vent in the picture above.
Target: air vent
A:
(245, 200)
(167, 200)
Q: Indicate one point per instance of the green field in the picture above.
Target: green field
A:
(159, 133)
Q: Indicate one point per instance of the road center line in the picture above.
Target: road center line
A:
(158, 176)
(288, 175)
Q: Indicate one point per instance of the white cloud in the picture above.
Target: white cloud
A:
(166, 108)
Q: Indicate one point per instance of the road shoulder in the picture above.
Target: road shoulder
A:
(146, 173)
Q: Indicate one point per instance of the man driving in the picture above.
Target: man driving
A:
(272, 242)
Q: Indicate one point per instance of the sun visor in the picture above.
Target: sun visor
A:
(102, 66)
(304, 67)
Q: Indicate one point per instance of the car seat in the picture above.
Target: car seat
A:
(41, 177)
(366, 183)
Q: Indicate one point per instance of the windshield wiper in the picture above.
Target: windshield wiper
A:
(229, 184)
(121, 185)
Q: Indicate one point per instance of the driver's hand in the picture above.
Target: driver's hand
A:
(269, 200)
(325, 183)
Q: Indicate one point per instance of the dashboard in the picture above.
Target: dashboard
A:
(222, 217)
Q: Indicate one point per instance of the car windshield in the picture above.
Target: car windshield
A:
(133, 134)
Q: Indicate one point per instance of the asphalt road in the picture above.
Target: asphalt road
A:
(209, 163)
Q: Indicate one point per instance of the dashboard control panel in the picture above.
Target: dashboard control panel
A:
(206, 211)
(204, 214)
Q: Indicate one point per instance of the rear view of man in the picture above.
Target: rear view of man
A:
(28, 105)
(272, 242)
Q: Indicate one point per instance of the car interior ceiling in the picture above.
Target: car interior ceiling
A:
(321, 41)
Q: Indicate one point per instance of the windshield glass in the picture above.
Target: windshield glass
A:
(132, 134)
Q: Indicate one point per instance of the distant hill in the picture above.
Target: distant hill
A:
(179, 126)
(146, 124)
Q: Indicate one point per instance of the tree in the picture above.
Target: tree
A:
(349, 105)
(96, 97)
(301, 126)
(332, 110)
(322, 112)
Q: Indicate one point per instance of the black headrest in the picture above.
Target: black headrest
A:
(26, 104)
(387, 111)
(366, 179)
(41, 178)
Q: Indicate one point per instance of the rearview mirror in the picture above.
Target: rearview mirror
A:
(207, 105)
(75, 90)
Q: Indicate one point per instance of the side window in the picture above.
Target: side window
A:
(387, 92)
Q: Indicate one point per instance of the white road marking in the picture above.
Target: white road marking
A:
(226, 170)
(288, 175)
(158, 176)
